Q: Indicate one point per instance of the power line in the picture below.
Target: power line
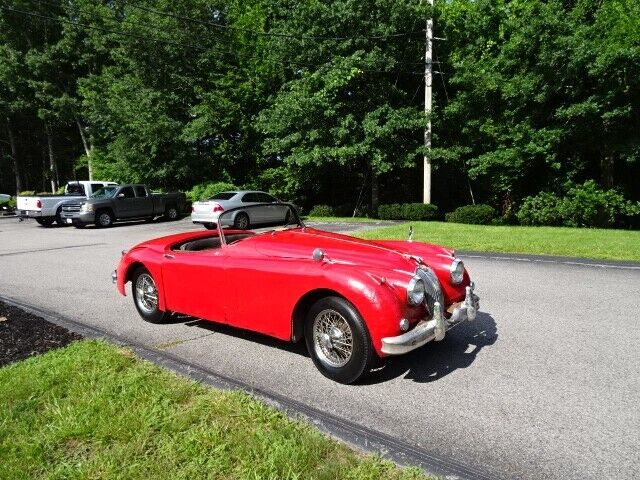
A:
(270, 34)
(186, 45)
(101, 29)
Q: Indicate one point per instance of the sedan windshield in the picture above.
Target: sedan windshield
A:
(260, 218)
(105, 192)
(223, 196)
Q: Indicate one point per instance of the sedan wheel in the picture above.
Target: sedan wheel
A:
(338, 340)
(242, 221)
(145, 296)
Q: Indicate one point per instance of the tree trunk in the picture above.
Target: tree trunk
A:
(14, 156)
(607, 163)
(87, 148)
(375, 200)
(53, 168)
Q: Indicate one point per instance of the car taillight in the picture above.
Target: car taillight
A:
(217, 208)
(38, 203)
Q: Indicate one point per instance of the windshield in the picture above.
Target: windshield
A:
(105, 192)
(259, 218)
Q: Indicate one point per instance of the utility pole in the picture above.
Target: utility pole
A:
(428, 76)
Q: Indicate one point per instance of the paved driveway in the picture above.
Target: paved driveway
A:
(545, 383)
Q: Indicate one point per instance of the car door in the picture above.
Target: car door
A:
(194, 283)
(125, 202)
(256, 215)
(273, 213)
(144, 202)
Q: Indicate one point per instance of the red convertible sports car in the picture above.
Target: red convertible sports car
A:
(351, 300)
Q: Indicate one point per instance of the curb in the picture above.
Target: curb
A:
(573, 261)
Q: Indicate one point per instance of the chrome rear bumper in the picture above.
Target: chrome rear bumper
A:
(434, 329)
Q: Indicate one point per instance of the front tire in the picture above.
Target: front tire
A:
(104, 219)
(338, 340)
(145, 296)
(45, 221)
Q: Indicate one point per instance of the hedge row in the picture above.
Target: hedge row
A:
(408, 211)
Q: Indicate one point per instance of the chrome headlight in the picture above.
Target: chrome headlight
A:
(87, 207)
(456, 270)
(415, 291)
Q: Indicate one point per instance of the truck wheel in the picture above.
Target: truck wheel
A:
(145, 296)
(338, 340)
(171, 213)
(59, 219)
(241, 221)
(104, 218)
(45, 221)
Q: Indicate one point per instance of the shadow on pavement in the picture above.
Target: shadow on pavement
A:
(436, 360)
(426, 364)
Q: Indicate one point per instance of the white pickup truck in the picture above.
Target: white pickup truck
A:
(46, 209)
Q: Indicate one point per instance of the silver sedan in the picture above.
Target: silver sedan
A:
(208, 211)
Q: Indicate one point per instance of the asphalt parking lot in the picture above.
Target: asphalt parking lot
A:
(544, 384)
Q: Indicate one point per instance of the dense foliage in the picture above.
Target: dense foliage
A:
(321, 102)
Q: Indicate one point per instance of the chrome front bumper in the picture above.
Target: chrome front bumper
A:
(434, 329)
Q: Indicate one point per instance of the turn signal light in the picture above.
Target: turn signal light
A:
(38, 203)
(217, 208)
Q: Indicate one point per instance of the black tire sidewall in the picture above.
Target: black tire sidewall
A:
(362, 355)
(156, 317)
(168, 214)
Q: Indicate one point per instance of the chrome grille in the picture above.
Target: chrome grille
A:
(432, 288)
(71, 207)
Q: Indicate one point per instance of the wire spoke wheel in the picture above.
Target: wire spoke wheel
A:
(332, 338)
(146, 293)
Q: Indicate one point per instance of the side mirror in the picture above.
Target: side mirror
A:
(120, 195)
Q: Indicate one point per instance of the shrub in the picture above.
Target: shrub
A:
(206, 190)
(585, 205)
(27, 193)
(322, 211)
(480, 214)
(407, 211)
(391, 211)
(541, 209)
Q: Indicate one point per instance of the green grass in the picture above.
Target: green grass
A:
(573, 242)
(92, 411)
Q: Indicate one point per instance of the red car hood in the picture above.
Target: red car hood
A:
(300, 243)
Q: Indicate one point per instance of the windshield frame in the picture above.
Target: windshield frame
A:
(296, 220)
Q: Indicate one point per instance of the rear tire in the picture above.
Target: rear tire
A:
(171, 213)
(210, 226)
(338, 340)
(104, 219)
(146, 297)
(241, 222)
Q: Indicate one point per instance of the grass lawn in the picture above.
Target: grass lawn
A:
(93, 411)
(573, 242)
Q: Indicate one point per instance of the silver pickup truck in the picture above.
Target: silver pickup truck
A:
(123, 202)
(46, 209)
